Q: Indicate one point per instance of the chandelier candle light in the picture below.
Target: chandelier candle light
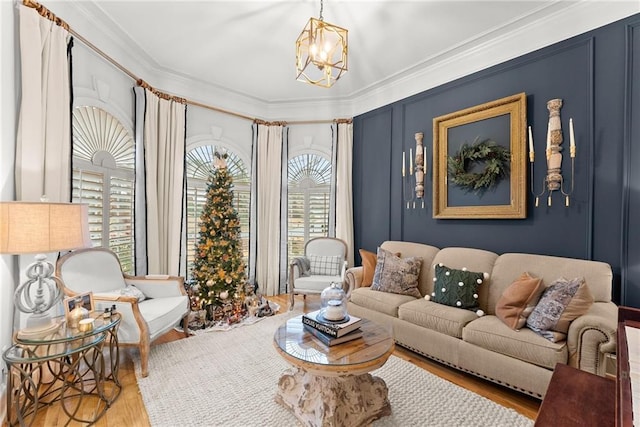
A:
(554, 180)
(321, 52)
(40, 228)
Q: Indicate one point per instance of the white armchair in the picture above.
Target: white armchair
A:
(323, 263)
(144, 317)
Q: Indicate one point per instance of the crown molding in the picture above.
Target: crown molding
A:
(574, 19)
(557, 22)
(550, 24)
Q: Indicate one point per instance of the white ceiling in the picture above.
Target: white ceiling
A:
(246, 48)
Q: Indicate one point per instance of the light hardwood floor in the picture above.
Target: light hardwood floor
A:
(128, 410)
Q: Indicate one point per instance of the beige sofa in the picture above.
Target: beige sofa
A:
(485, 346)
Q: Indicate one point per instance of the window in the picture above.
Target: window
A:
(103, 178)
(309, 191)
(199, 163)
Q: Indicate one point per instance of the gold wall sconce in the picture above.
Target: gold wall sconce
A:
(554, 180)
(413, 183)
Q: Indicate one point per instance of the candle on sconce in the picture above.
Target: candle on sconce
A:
(403, 163)
(424, 160)
(571, 134)
(410, 161)
(530, 140)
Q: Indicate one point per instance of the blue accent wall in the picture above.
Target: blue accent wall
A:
(597, 75)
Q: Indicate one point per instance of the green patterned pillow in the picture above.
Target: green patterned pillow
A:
(457, 288)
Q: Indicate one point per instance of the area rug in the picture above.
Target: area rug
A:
(229, 379)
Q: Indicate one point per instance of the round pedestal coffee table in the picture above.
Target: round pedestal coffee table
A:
(332, 386)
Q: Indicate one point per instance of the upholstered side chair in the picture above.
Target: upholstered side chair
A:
(150, 305)
(323, 263)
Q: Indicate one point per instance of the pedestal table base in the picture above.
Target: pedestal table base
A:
(345, 400)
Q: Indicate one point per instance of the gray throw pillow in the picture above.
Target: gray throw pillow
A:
(396, 275)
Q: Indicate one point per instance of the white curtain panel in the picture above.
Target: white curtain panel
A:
(43, 149)
(140, 200)
(164, 153)
(344, 187)
(332, 189)
(284, 213)
(270, 146)
(253, 210)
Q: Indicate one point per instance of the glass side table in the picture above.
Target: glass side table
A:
(66, 366)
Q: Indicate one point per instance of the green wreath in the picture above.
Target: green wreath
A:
(495, 157)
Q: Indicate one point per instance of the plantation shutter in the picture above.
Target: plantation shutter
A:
(121, 221)
(87, 187)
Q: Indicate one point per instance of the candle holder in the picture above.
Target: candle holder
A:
(413, 183)
(408, 182)
(421, 157)
(554, 180)
(334, 303)
(407, 191)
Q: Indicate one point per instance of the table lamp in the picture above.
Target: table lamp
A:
(40, 228)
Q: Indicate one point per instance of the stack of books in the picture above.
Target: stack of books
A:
(332, 333)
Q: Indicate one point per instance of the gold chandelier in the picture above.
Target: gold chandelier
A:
(321, 52)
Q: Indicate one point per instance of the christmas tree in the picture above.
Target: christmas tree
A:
(218, 274)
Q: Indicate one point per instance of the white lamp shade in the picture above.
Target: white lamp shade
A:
(42, 227)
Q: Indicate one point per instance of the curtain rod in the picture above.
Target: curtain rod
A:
(46, 13)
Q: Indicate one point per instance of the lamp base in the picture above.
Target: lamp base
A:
(39, 321)
(39, 328)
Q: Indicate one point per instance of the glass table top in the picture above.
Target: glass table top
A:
(294, 341)
(60, 340)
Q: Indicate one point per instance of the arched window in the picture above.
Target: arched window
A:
(199, 164)
(309, 191)
(103, 178)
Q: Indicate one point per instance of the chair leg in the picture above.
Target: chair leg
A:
(185, 325)
(144, 360)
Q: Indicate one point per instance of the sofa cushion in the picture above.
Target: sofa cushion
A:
(325, 265)
(382, 302)
(518, 300)
(562, 302)
(396, 275)
(315, 283)
(437, 317)
(597, 274)
(157, 312)
(491, 334)
(456, 288)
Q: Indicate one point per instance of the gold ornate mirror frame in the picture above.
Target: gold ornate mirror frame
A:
(515, 107)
